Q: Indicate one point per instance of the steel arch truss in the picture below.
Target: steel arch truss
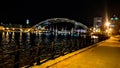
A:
(56, 20)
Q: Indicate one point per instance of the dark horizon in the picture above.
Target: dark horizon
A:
(83, 11)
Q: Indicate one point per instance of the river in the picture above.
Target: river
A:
(19, 49)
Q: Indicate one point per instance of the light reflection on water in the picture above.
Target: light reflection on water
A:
(21, 49)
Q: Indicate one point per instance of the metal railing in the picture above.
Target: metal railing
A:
(15, 56)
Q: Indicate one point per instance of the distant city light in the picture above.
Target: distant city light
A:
(1, 23)
(114, 17)
(111, 18)
(27, 21)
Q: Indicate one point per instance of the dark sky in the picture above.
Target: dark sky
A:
(38, 10)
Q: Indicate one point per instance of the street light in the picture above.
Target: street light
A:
(107, 24)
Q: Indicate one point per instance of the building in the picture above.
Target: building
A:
(97, 22)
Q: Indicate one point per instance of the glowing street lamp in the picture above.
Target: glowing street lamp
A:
(107, 24)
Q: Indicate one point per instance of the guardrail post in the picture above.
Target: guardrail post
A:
(53, 51)
(38, 56)
(62, 45)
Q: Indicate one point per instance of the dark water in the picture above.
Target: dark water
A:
(26, 49)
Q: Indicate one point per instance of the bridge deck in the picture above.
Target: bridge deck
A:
(105, 54)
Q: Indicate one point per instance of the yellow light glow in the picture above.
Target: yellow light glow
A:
(13, 28)
(3, 28)
(110, 29)
(106, 30)
(7, 28)
(107, 24)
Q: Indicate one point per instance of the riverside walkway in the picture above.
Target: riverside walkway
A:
(105, 54)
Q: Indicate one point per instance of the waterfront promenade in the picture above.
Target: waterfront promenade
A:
(105, 54)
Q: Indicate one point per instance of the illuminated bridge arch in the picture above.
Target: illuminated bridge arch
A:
(56, 20)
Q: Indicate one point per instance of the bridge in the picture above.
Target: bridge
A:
(41, 25)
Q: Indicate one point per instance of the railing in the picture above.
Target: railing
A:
(15, 56)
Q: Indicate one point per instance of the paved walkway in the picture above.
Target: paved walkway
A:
(105, 54)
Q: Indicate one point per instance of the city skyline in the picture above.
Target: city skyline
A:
(36, 11)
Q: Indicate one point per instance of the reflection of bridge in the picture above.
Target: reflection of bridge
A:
(43, 24)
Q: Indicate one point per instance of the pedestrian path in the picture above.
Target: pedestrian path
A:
(105, 54)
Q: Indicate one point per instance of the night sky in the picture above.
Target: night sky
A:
(38, 10)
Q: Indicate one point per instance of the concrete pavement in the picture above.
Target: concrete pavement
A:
(105, 54)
